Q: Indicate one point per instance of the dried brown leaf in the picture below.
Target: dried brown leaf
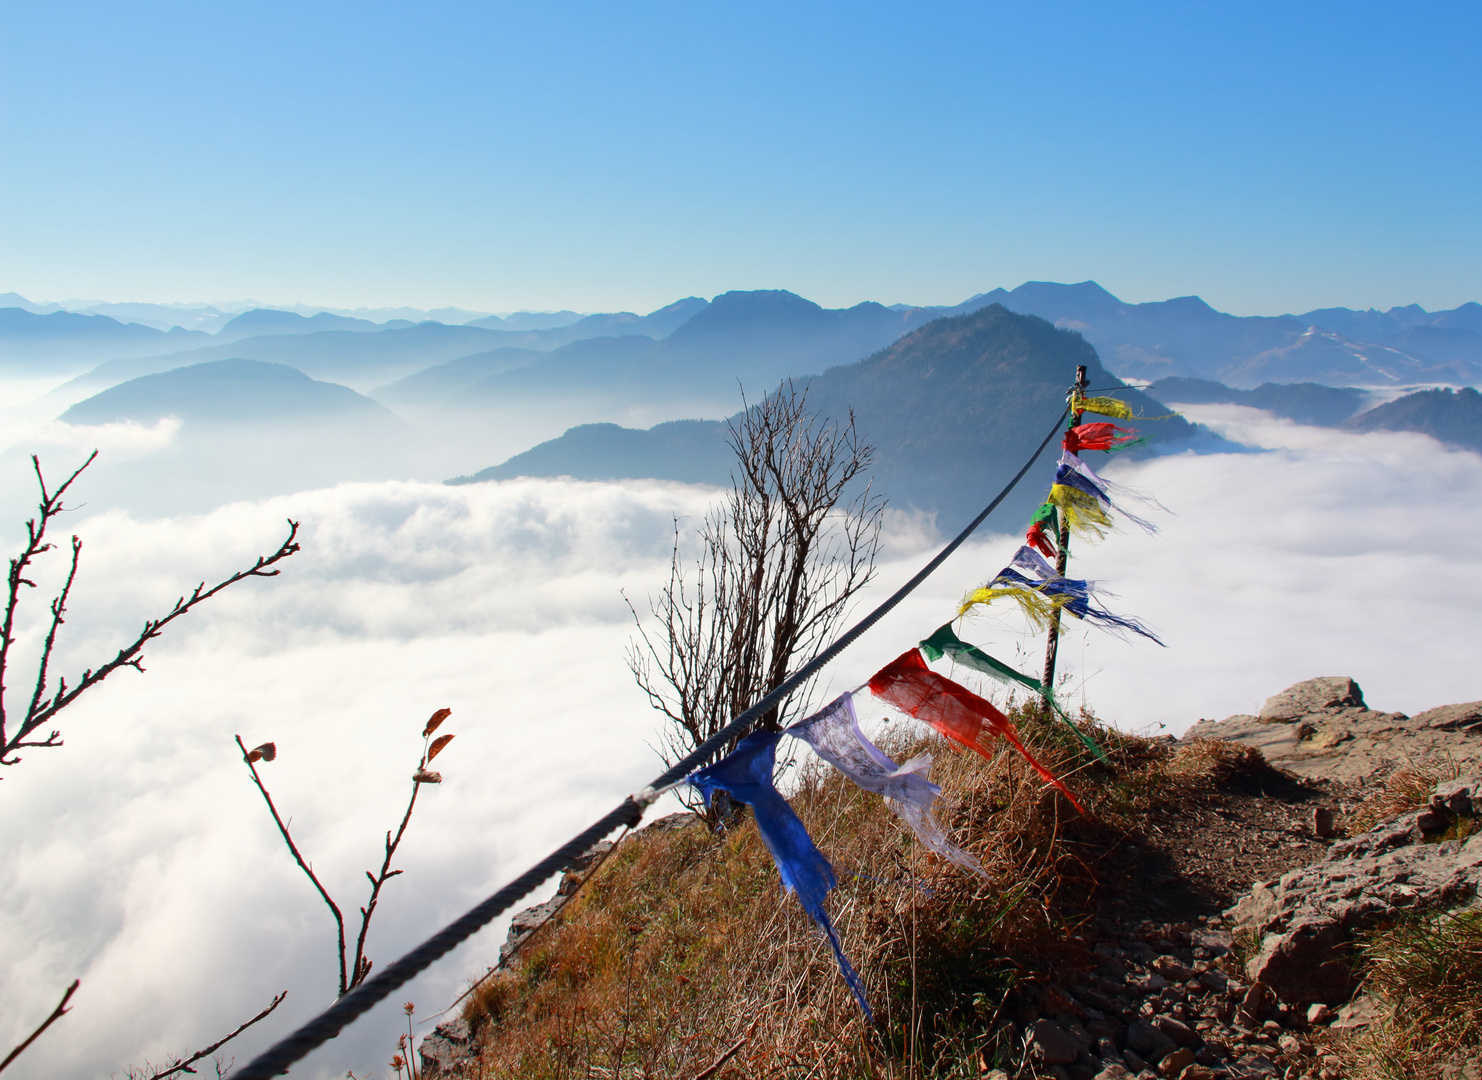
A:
(427, 776)
(436, 719)
(254, 757)
(266, 752)
(437, 746)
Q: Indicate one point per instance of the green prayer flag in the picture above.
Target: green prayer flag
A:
(945, 640)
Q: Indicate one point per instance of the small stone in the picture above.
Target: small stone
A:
(1260, 1065)
(1320, 1014)
(1050, 1044)
(1215, 980)
(1360, 1012)
(1176, 1062)
(1106, 1050)
(1200, 1072)
(1323, 825)
(1272, 1028)
(1113, 1071)
(1134, 1061)
(1176, 1030)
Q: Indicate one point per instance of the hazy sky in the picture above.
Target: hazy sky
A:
(1269, 157)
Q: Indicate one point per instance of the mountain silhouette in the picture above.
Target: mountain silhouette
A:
(228, 392)
(1306, 403)
(261, 321)
(1453, 417)
(63, 340)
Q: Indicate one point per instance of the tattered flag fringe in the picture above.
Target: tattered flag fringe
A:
(954, 710)
(834, 734)
(945, 640)
(1099, 436)
(1082, 512)
(746, 774)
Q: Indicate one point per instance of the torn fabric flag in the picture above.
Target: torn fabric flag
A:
(1102, 406)
(945, 640)
(834, 734)
(746, 774)
(1083, 513)
(953, 710)
(1044, 530)
(1100, 436)
(1026, 558)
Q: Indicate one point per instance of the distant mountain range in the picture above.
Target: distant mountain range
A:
(952, 408)
(1450, 416)
(757, 337)
(1306, 403)
(1186, 337)
(34, 344)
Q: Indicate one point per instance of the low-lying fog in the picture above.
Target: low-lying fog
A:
(141, 859)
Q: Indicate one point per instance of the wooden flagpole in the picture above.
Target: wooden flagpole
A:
(1062, 555)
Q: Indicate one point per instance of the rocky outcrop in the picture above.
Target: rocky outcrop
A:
(1321, 729)
(1428, 859)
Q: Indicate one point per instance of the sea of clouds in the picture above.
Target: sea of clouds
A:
(140, 858)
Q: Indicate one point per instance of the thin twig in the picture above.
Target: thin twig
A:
(361, 967)
(185, 1066)
(339, 918)
(56, 1014)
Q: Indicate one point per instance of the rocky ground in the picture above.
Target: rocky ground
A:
(1219, 945)
(1222, 954)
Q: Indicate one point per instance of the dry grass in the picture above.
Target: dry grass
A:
(1404, 790)
(1427, 970)
(683, 945)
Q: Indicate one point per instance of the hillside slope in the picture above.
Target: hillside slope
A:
(1453, 417)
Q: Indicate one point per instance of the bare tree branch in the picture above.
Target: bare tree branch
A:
(56, 1014)
(184, 1065)
(46, 704)
(779, 560)
(353, 970)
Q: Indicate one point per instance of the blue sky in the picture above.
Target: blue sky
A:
(1269, 157)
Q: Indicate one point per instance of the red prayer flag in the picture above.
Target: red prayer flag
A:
(954, 710)
(1037, 538)
(1096, 437)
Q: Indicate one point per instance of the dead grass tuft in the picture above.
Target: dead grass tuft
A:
(1404, 790)
(1427, 970)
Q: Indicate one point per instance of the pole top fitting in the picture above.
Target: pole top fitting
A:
(1081, 382)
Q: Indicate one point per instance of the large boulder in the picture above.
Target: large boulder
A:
(1313, 696)
(1321, 728)
(1428, 859)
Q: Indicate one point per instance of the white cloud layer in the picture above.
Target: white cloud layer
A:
(141, 859)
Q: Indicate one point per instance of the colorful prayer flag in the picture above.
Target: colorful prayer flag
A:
(746, 775)
(834, 734)
(953, 710)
